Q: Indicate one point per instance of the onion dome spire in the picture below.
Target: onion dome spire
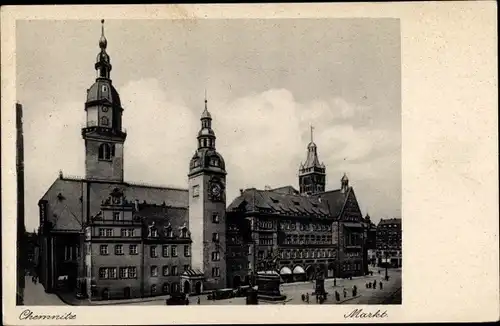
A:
(103, 62)
(103, 43)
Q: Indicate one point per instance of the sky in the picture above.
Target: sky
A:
(267, 82)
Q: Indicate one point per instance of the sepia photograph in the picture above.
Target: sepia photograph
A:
(249, 164)
(154, 172)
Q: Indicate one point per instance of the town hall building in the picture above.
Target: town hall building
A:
(105, 238)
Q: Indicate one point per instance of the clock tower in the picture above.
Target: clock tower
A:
(207, 207)
(103, 134)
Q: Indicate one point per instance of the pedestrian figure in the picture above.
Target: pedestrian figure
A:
(337, 296)
(350, 277)
(380, 284)
(375, 284)
(354, 290)
(334, 282)
(198, 301)
(307, 297)
(379, 271)
(345, 293)
(317, 298)
(303, 297)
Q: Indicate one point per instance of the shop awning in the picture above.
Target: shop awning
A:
(298, 270)
(193, 273)
(285, 271)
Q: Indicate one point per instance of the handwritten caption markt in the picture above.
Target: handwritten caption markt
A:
(30, 315)
(359, 313)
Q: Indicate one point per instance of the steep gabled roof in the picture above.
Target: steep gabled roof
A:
(334, 199)
(269, 201)
(164, 217)
(286, 190)
(390, 221)
(65, 199)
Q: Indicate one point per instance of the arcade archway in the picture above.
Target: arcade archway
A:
(310, 272)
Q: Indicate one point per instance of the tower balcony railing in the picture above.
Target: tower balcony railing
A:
(94, 125)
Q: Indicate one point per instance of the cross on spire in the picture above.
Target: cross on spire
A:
(312, 129)
(102, 27)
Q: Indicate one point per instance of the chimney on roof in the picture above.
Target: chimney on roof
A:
(241, 192)
(60, 174)
(267, 187)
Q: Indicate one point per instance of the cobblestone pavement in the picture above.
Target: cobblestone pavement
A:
(35, 295)
(293, 291)
(390, 294)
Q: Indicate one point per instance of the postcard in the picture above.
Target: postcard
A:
(299, 163)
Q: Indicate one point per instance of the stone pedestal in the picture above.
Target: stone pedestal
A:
(320, 286)
(268, 286)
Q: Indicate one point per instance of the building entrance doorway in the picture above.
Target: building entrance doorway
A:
(187, 287)
(236, 281)
(197, 288)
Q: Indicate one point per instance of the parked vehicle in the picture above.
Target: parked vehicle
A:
(177, 299)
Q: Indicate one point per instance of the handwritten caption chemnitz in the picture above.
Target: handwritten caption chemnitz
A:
(30, 315)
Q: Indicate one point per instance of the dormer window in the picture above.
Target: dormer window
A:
(154, 233)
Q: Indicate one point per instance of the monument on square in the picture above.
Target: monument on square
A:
(268, 280)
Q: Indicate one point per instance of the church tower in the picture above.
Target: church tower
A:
(207, 207)
(103, 133)
(312, 174)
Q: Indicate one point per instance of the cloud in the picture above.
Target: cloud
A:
(262, 136)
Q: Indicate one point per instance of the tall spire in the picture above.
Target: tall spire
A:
(312, 173)
(103, 64)
(103, 43)
(206, 136)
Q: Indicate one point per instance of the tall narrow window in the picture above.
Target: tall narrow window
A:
(105, 121)
(104, 152)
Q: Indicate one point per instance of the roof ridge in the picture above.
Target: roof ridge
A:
(148, 185)
(136, 184)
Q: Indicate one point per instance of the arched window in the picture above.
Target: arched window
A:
(105, 151)
(104, 121)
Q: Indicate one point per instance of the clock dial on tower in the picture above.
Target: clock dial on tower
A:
(216, 190)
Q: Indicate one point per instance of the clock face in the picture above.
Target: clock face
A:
(104, 109)
(216, 189)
